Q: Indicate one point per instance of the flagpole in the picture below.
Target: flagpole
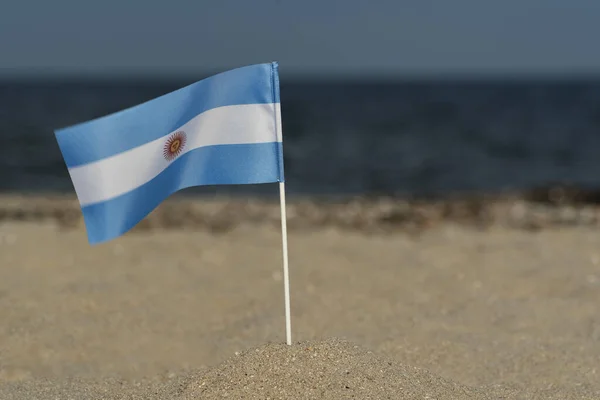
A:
(286, 273)
(284, 240)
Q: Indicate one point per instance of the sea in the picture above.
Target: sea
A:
(413, 137)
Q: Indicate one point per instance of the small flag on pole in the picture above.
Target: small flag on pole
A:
(223, 130)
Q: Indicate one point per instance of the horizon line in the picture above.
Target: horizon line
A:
(297, 75)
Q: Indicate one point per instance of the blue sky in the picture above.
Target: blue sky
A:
(305, 36)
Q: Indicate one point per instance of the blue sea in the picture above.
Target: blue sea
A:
(346, 138)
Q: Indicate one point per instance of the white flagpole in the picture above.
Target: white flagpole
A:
(286, 274)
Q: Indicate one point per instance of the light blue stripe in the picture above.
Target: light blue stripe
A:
(104, 137)
(212, 165)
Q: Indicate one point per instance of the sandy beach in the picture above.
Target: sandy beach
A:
(388, 301)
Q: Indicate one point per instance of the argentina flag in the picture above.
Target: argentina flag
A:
(223, 130)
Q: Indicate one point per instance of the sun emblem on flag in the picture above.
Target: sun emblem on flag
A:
(174, 145)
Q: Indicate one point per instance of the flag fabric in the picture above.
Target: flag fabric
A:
(223, 130)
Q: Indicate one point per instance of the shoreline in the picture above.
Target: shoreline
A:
(531, 210)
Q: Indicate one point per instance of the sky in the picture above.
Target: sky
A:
(309, 37)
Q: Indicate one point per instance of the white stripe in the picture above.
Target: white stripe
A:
(278, 126)
(116, 175)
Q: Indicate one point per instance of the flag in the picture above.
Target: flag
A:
(223, 130)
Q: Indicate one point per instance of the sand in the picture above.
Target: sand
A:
(454, 310)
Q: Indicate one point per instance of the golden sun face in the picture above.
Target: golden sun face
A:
(174, 145)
